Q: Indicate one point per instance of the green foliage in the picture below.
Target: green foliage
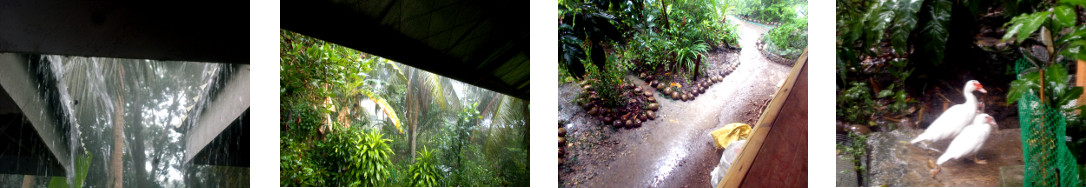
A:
(81, 164)
(936, 31)
(608, 83)
(857, 149)
(904, 22)
(472, 173)
(788, 40)
(852, 103)
(296, 168)
(672, 35)
(423, 173)
(769, 10)
(858, 104)
(1021, 27)
(585, 24)
(363, 158)
(327, 138)
(1052, 82)
(1070, 44)
(1057, 91)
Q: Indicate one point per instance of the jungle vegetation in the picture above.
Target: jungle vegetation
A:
(353, 119)
(892, 53)
(602, 40)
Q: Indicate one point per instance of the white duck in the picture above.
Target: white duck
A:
(951, 122)
(968, 142)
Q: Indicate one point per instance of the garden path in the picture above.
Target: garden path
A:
(675, 150)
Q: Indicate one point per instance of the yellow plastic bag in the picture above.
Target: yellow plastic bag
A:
(730, 133)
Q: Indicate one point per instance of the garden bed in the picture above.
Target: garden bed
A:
(720, 63)
(771, 55)
(636, 105)
(746, 18)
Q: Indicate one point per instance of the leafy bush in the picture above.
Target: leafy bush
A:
(297, 169)
(423, 173)
(768, 10)
(363, 157)
(788, 40)
(671, 35)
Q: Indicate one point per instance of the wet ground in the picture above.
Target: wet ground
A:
(895, 162)
(675, 150)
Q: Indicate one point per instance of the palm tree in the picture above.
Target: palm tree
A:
(118, 130)
(425, 90)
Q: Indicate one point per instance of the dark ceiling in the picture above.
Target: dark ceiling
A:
(182, 30)
(483, 43)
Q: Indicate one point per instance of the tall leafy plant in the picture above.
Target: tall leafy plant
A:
(585, 24)
(363, 157)
(1049, 78)
(423, 172)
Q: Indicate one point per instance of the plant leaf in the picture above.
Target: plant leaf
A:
(1022, 85)
(935, 32)
(1064, 17)
(385, 108)
(904, 23)
(1074, 2)
(1020, 27)
(1075, 50)
(878, 18)
(1077, 33)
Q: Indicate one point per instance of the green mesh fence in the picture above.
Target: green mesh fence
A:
(1047, 160)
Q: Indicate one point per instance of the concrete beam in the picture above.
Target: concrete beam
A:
(230, 147)
(230, 104)
(34, 90)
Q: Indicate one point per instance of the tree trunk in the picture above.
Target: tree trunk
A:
(663, 10)
(1080, 79)
(414, 130)
(697, 68)
(28, 181)
(139, 156)
(117, 166)
(525, 141)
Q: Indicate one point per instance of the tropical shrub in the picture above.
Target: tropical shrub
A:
(1049, 77)
(766, 11)
(363, 157)
(788, 40)
(585, 24)
(423, 172)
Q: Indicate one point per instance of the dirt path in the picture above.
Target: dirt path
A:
(675, 149)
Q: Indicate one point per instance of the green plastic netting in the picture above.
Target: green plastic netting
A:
(1048, 162)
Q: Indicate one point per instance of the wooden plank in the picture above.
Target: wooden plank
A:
(739, 169)
(782, 161)
(1081, 80)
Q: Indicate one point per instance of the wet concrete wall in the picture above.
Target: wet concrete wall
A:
(36, 118)
(222, 113)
